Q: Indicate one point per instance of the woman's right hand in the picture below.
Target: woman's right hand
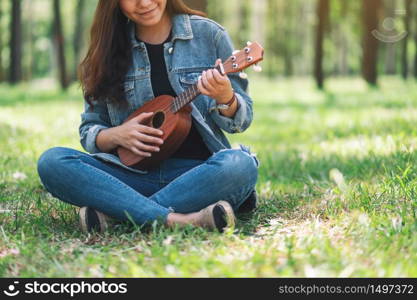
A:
(136, 137)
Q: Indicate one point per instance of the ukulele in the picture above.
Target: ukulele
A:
(172, 115)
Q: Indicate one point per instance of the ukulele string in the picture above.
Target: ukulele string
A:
(191, 90)
(167, 108)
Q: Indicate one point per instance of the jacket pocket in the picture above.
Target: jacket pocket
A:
(189, 76)
(201, 102)
(129, 88)
(188, 79)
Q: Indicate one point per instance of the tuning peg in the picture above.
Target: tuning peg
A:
(236, 52)
(243, 75)
(257, 68)
(248, 43)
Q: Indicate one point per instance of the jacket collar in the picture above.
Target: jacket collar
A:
(181, 30)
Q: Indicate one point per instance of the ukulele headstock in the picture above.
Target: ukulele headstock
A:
(242, 59)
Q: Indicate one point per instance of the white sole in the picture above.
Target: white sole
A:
(83, 218)
(230, 215)
(82, 213)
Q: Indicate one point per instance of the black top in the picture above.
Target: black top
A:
(193, 146)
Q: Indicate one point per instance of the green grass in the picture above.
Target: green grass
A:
(337, 187)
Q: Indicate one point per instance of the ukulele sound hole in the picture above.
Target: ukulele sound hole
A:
(158, 119)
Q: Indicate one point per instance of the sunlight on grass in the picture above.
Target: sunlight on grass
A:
(337, 187)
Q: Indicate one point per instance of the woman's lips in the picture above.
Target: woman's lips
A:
(148, 12)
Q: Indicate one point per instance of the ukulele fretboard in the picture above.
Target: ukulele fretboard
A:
(184, 98)
(187, 96)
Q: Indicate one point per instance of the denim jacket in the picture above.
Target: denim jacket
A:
(195, 45)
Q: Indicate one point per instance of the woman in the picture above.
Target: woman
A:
(141, 49)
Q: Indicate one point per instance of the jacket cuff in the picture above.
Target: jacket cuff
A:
(234, 124)
(90, 145)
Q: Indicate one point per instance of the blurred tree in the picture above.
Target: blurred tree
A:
(58, 37)
(258, 22)
(404, 60)
(415, 39)
(16, 43)
(197, 4)
(337, 55)
(294, 33)
(243, 32)
(370, 19)
(391, 49)
(78, 34)
(28, 39)
(290, 38)
(272, 42)
(1, 43)
(216, 10)
(323, 7)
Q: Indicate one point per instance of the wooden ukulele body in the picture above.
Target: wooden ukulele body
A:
(175, 127)
(173, 115)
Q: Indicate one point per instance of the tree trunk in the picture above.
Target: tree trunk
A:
(323, 18)
(78, 34)
(29, 41)
(404, 60)
(371, 12)
(197, 4)
(59, 44)
(391, 49)
(16, 43)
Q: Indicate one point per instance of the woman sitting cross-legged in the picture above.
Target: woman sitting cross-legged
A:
(141, 49)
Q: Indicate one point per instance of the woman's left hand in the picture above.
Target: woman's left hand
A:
(215, 85)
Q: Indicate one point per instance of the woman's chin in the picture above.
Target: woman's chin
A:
(147, 23)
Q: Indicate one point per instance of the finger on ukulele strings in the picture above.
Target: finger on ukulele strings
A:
(218, 62)
(201, 87)
(220, 79)
(207, 80)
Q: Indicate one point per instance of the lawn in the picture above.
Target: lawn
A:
(337, 188)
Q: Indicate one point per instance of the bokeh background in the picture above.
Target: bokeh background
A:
(334, 128)
(42, 39)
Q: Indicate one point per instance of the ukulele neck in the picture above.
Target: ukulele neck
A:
(184, 98)
(240, 60)
(189, 95)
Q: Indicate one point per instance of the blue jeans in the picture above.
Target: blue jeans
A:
(177, 185)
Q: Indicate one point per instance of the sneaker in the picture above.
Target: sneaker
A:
(249, 204)
(92, 220)
(217, 216)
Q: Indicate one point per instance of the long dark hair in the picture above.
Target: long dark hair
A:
(102, 71)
